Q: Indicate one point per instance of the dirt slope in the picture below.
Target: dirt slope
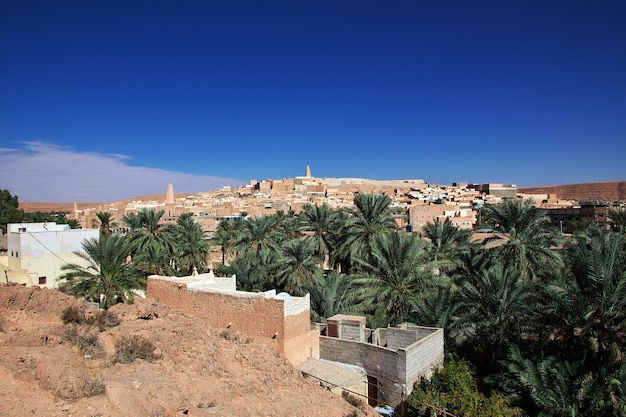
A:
(199, 371)
(589, 191)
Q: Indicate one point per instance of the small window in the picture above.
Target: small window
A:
(42, 280)
(17, 255)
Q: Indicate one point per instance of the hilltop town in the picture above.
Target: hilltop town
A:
(415, 202)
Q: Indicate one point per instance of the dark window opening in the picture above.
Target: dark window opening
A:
(42, 280)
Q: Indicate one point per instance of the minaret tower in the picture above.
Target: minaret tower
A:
(308, 172)
(169, 197)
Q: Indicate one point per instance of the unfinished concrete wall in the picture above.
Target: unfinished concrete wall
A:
(380, 363)
(422, 356)
(398, 338)
(410, 353)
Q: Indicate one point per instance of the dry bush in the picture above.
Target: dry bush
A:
(85, 338)
(73, 315)
(104, 319)
(92, 386)
(129, 348)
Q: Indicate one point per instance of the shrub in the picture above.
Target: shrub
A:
(73, 315)
(86, 338)
(70, 333)
(92, 385)
(127, 349)
(454, 389)
(104, 319)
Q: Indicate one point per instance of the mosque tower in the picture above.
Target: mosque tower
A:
(169, 197)
(308, 172)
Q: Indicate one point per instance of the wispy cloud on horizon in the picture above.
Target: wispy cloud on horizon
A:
(41, 171)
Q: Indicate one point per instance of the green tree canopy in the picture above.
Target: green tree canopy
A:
(9, 211)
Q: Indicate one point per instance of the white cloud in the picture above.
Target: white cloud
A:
(40, 171)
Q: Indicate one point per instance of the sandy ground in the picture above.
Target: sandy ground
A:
(197, 371)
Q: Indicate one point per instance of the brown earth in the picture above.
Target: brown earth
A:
(197, 370)
(589, 191)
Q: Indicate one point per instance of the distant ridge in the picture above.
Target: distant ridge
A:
(45, 207)
(588, 191)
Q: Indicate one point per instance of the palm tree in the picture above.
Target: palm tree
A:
(288, 223)
(373, 217)
(492, 309)
(154, 259)
(324, 224)
(297, 264)
(225, 236)
(191, 249)
(331, 294)
(551, 385)
(108, 276)
(248, 271)
(145, 227)
(434, 307)
(394, 275)
(531, 238)
(447, 243)
(618, 218)
(258, 234)
(598, 267)
(106, 223)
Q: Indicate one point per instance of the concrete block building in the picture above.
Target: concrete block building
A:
(393, 358)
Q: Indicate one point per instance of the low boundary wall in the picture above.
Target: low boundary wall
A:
(280, 322)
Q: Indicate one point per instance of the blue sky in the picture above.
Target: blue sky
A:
(102, 100)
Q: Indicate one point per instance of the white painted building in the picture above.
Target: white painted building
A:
(37, 251)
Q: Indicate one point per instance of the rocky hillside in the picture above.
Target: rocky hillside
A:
(589, 191)
(184, 367)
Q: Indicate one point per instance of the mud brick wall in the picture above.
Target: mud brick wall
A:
(262, 319)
